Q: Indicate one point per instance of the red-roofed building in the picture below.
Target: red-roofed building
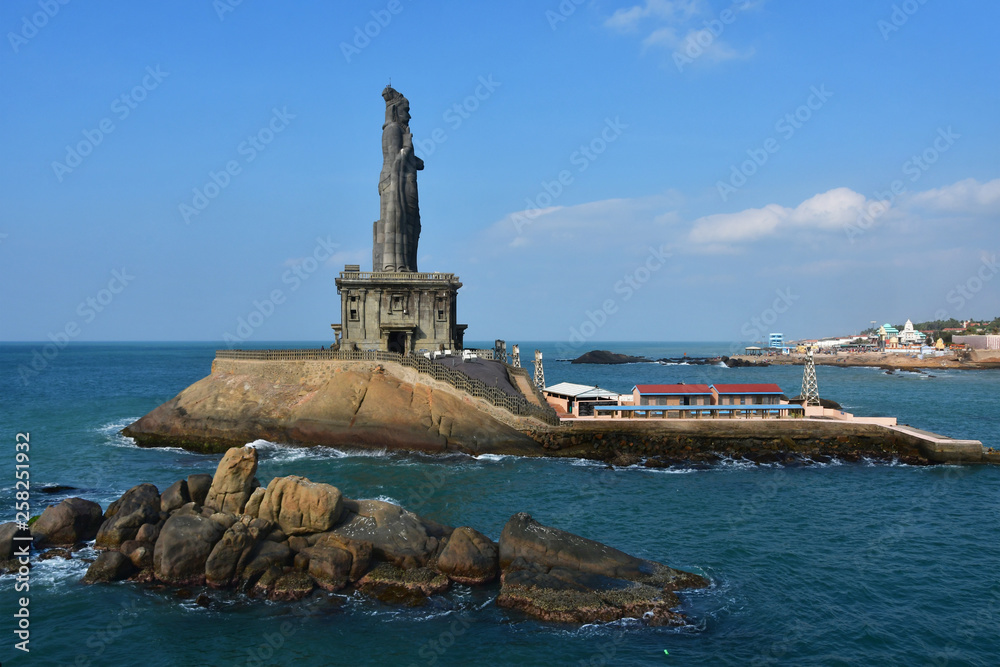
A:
(746, 394)
(672, 394)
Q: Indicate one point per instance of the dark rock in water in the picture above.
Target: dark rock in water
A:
(292, 586)
(71, 521)
(389, 583)
(558, 576)
(744, 363)
(360, 550)
(198, 486)
(397, 536)
(606, 357)
(183, 547)
(329, 566)
(8, 544)
(124, 517)
(56, 553)
(175, 496)
(469, 557)
(229, 555)
(51, 489)
(140, 553)
(109, 566)
(266, 556)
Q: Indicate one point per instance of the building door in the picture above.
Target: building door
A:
(397, 341)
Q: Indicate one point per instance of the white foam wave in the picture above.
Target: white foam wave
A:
(494, 457)
(276, 452)
(588, 463)
(113, 436)
(664, 471)
(48, 573)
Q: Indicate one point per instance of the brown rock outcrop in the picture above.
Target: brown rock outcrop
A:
(469, 557)
(124, 517)
(300, 506)
(71, 521)
(231, 486)
(397, 536)
(558, 576)
(183, 547)
(354, 404)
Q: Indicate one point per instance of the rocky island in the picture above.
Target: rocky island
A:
(295, 536)
(398, 377)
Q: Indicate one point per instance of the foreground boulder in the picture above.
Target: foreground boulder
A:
(71, 521)
(109, 566)
(558, 576)
(198, 486)
(124, 517)
(229, 555)
(233, 481)
(175, 496)
(12, 542)
(183, 547)
(299, 506)
(469, 557)
(397, 536)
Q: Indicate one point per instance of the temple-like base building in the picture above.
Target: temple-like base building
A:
(398, 311)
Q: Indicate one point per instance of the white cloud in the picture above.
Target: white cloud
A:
(832, 210)
(968, 196)
(668, 10)
(682, 27)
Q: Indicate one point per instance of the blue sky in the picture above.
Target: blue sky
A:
(595, 170)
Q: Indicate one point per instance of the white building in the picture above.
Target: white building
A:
(910, 336)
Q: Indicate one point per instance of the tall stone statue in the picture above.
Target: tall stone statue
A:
(398, 228)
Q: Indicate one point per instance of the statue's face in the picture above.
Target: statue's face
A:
(404, 114)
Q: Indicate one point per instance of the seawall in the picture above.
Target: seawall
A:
(764, 440)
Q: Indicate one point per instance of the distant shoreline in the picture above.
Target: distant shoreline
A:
(884, 360)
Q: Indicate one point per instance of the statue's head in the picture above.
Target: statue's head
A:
(397, 107)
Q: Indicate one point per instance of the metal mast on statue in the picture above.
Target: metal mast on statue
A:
(810, 389)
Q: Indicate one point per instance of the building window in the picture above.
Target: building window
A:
(439, 304)
(397, 303)
(354, 314)
(352, 304)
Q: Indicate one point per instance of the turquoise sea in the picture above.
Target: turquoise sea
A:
(823, 564)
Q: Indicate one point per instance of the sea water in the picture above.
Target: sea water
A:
(824, 564)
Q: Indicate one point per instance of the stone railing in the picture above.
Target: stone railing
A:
(516, 405)
(396, 276)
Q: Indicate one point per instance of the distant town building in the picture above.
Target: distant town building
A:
(978, 342)
(776, 340)
(909, 336)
